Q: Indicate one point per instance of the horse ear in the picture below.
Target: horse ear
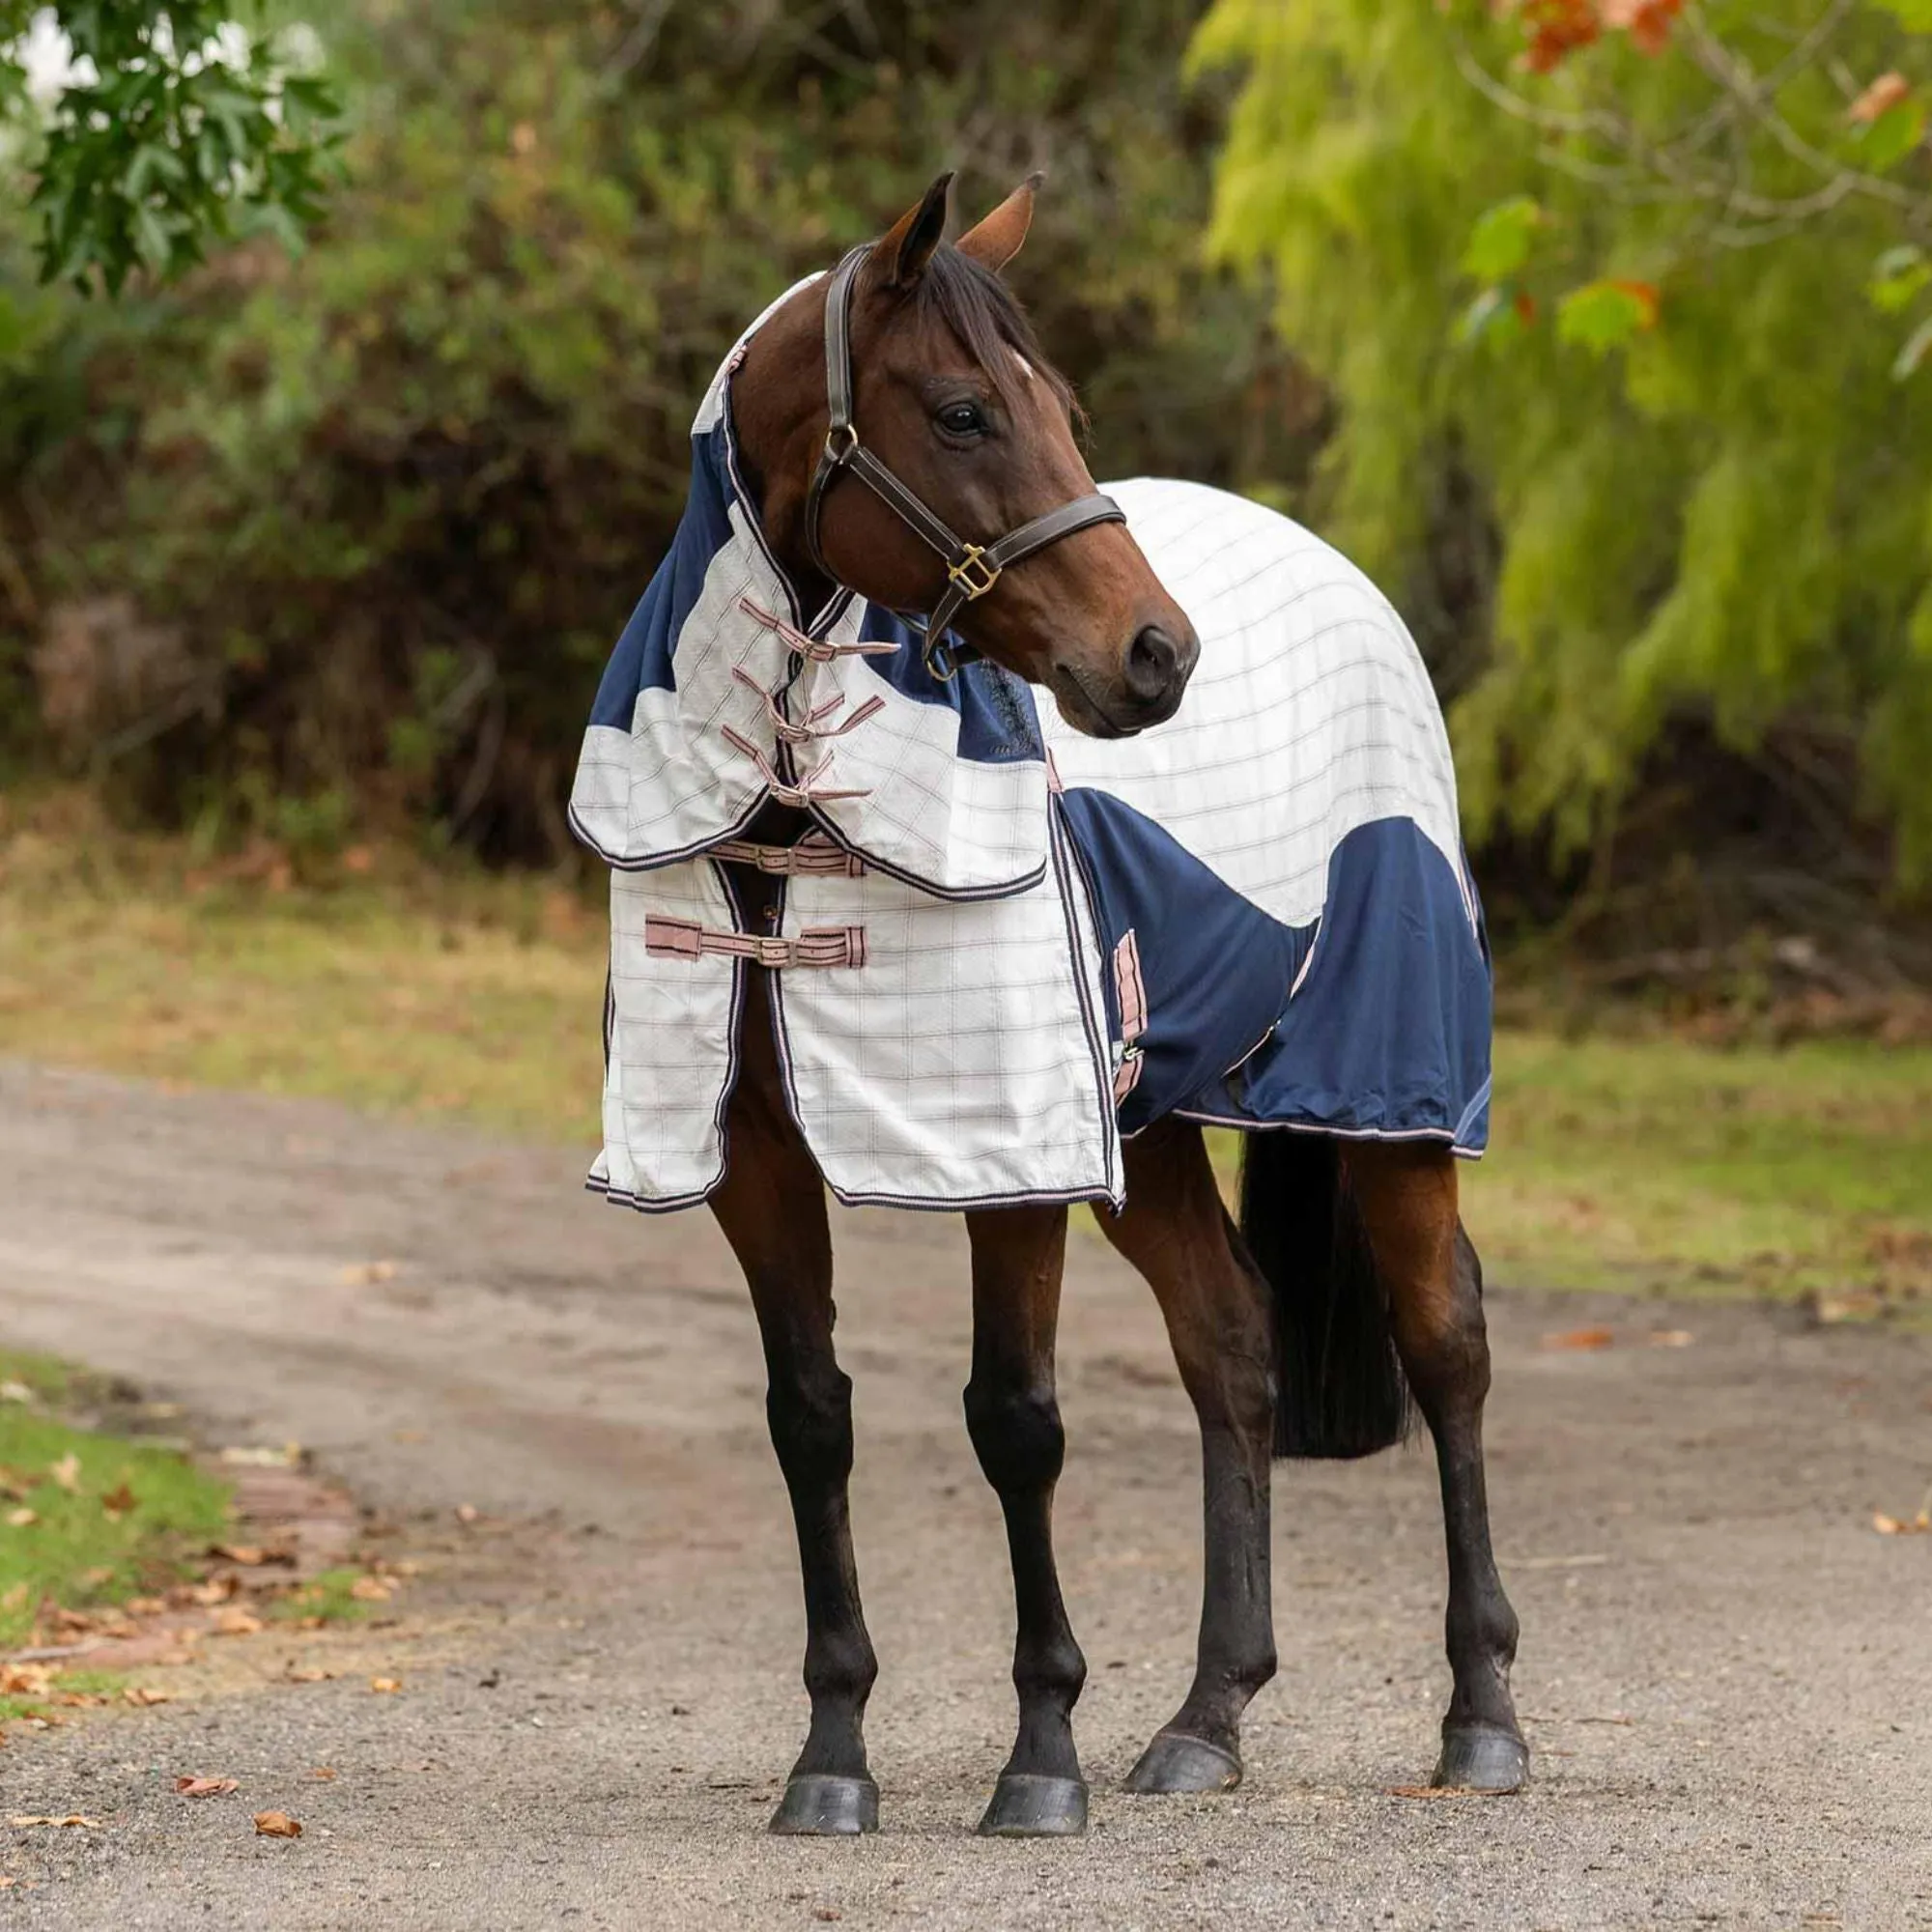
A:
(996, 240)
(902, 252)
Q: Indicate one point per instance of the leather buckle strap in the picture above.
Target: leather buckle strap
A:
(818, 945)
(810, 858)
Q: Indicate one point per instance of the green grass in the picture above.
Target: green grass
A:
(110, 1517)
(328, 1595)
(1633, 1158)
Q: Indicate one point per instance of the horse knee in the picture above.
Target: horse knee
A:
(810, 1418)
(1016, 1434)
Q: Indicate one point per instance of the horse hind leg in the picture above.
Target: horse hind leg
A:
(1013, 1419)
(771, 1207)
(1428, 1267)
(1177, 1233)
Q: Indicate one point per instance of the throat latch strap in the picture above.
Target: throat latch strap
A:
(971, 570)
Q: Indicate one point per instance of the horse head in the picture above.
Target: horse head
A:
(974, 432)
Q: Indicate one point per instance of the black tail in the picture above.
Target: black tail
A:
(1339, 1386)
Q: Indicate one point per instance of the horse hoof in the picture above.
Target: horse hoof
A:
(1481, 1758)
(816, 1805)
(1176, 1763)
(1027, 1805)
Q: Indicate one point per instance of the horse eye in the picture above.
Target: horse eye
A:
(961, 419)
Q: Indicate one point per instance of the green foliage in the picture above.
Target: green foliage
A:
(1705, 459)
(376, 514)
(175, 126)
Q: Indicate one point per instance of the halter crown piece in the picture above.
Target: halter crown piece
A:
(971, 569)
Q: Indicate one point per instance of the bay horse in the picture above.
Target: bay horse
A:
(1348, 1285)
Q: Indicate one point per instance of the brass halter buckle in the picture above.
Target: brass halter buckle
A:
(973, 574)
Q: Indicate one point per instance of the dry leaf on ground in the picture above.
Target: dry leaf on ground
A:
(235, 1621)
(67, 1472)
(385, 1686)
(309, 1675)
(118, 1501)
(324, 1771)
(206, 1787)
(146, 1693)
(276, 1824)
(73, 1818)
(1580, 1338)
(1671, 1338)
(1892, 1525)
(23, 1517)
(372, 1589)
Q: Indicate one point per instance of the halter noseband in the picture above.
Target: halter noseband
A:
(971, 569)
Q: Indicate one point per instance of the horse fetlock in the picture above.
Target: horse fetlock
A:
(1050, 1671)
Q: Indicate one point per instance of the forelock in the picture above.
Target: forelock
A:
(990, 325)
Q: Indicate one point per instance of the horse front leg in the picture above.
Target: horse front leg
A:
(771, 1205)
(1013, 1418)
(1217, 1309)
(1434, 1282)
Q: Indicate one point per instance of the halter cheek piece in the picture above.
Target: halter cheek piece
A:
(971, 569)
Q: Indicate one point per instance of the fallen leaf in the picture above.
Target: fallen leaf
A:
(1885, 93)
(372, 1590)
(67, 1472)
(365, 1274)
(206, 1787)
(15, 1392)
(1579, 1338)
(1892, 1525)
(309, 1675)
(147, 1606)
(276, 1824)
(828, 1913)
(358, 859)
(23, 1517)
(24, 1680)
(118, 1501)
(146, 1693)
(466, 1512)
(1671, 1338)
(386, 1686)
(287, 1457)
(235, 1621)
(16, 1598)
(324, 1771)
(73, 1818)
(245, 1553)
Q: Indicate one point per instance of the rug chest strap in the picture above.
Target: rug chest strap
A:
(667, 938)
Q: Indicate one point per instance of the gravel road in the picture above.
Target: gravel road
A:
(1725, 1675)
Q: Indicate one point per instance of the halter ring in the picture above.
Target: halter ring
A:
(839, 453)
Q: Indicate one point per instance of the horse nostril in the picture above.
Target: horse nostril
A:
(1151, 660)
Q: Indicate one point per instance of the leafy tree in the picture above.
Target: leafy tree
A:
(171, 124)
(1653, 275)
(297, 544)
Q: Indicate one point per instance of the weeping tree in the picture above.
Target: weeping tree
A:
(1652, 278)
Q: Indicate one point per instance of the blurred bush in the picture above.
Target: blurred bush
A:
(311, 548)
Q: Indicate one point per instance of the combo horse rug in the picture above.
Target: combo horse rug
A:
(1002, 945)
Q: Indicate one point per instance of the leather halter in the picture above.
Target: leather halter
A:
(971, 569)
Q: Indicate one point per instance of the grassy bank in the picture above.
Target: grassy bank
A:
(88, 1517)
(1633, 1158)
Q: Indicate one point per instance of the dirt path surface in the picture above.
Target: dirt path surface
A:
(1726, 1676)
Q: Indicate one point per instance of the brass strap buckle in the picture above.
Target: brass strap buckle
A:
(973, 574)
